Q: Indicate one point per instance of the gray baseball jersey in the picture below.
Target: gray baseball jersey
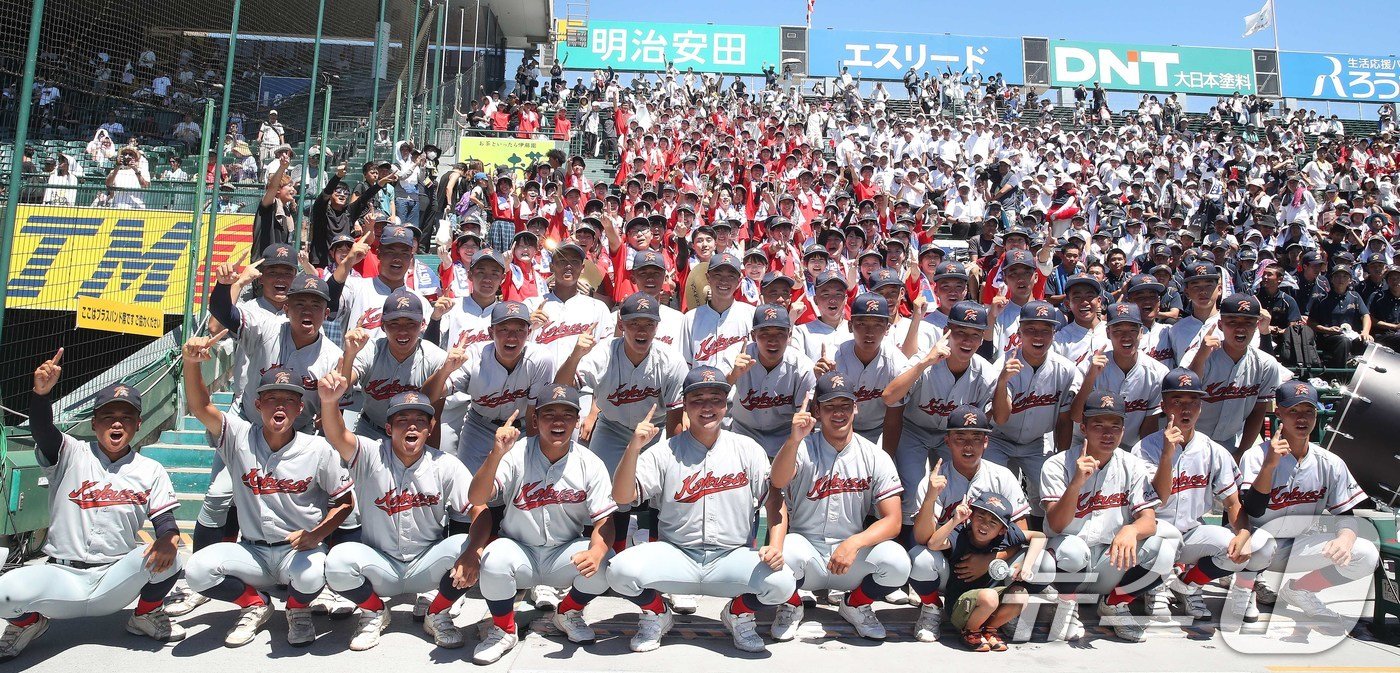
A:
(1233, 388)
(1077, 343)
(668, 330)
(623, 391)
(1038, 396)
(569, 319)
(812, 337)
(1156, 343)
(363, 298)
(1006, 335)
(268, 345)
(251, 311)
(764, 400)
(938, 392)
(1108, 500)
(869, 381)
(899, 329)
(466, 316)
(833, 492)
(96, 506)
(1186, 335)
(938, 319)
(707, 497)
(278, 492)
(1141, 388)
(404, 509)
(1319, 484)
(990, 478)
(709, 337)
(497, 393)
(549, 504)
(1203, 474)
(383, 376)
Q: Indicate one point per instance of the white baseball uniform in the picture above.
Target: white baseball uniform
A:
(495, 393)
(363, 299)
(1038, 397)
(812, 337)
(569, 319)
(1141, 388)
(251, 311)
(869, 381)
(268, 344)
(1203, 475)
(989, 478)
(1156, 344)
(466, 316)
(899, 330)
(709, 337)
(382, 376)
(935, 395)
(763, 400)
(1233, 388)
(1006, 331)
(625, 392)
(1077, 343)
(1187, 333)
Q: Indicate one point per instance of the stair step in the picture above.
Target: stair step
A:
(179, 455)
(189, 480)
(189, 423)
(222, 399)
(185, 437)
(188, 511)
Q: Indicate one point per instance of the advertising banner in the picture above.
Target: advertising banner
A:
(1372, 79)
(1130, 67)
(648, 47)
(888, 56)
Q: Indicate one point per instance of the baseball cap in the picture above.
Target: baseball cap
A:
(340, 239)
(410, 400)
(640, 305)
(569, 246)
(1311, 257)
(831, 277)
(1201, 271)
(1143, 281)
(402, 303)
(1105, 404)
(636, 222)
(968, 313)
(771, 315)
(527, 236)
(1040, 311)
(1019, 258)
(117, 392)
(1182, 380)
(815, 250)
(279, 254)
(703, 377)
(280, 378)
(1124, 311)
(1295, 392)
(1083, 279)
(648, 258)
(833, 385)
(487, 255)
(398, 234)
(558, 393)
(883, 277)
(953, 269)
(870, 304)
(990, 502)
(969, 417)
(725, 261)
(776, 277)
(1240, 303)
(509, 310)
(304, 284)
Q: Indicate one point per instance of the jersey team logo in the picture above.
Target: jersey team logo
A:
(755, 400)
(1032, 400)
(632, 394)
(266, 484)
(92, 495)
(503, 397)
(1283, 498)
(395, 501)
(554, 332)
(1097, 501)
(713, 345)
(697, 486)
(532, 496)
(834, 484)
(1186, 482)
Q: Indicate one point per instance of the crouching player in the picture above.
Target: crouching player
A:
(833, 480)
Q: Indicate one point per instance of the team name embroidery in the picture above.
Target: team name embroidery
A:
(1031, 401)
(479, 337)
(668, 340)
(553, 332)
(825, 487)
(632, 394)
(503, 397)
(90, 495)
(266, 484)
(1281, 499)
(1160, 354)
(1219, 392)
(697, 486)
(383, 389)
(394, 501)
(1135, 405)
(1093, 502)
(755, 400)
(715, 344)
(1185, 482)
(936, 407)
(373, 318)
(531, 496)
(864, 394)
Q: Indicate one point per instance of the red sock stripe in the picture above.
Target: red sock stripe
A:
(656, 606)
(145, 607)
(1196, 576)
(250, 598)
(931, 599)
(739, 607)
(795, 600)
(569, 604)
(1313, 581)
(858, 598)
(374, 603)
(1117, 597)
(440, 603)
(506, 621)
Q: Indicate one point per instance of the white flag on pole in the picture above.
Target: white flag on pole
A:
(1259, 20)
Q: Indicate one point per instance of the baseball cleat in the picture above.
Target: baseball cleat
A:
(1157, 602)
(1240, 601)
(183, 600)
(1192, 604)
(445, 634)
(1263, 594)
(683, 604)
(421, 603)
(929, 623)
(301, 630)
(155, 624)
(543, 597)
(1120, 618)
(16, 638)
(744, 629)
(650, 628)
(574, 627)
(250, 619)
(864, 619)
(494, 646)
(1307, 601)
(786, 621)
(370, 624)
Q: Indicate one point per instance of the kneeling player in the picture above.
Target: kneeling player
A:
(833, 480)
(100, 494)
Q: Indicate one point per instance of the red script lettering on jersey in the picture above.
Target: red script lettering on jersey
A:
(825, 487)
(715, 344)
(91, 494)
(266, 484)
(697, 486)
(755, 400)
(395, 501)
(532, 495)
(1093, 502)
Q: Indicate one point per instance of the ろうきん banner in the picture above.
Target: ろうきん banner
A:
(1374, 79)
(1131, 67)
(888, 56)
(135, 257)
(518, 154)
(628, 45)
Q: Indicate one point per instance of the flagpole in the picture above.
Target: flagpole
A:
(1278, 58)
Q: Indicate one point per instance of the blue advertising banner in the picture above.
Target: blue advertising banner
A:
(1374, 79)
(273, 90)
(887, 56)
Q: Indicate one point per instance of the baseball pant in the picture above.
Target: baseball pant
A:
(1027, 459)
(875, 435)
(213, 513)
(60, 592)
(350, 564)
(258, 566)
(478, 435)
(508, 566)
(1210, 542)
(770, 441)
(1082, 567)
(1305, 553)
(887, 563)
(912, 460)
(725, 573)
(928, 567)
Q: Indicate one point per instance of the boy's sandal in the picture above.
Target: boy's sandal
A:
(993, 640)
(975, 641)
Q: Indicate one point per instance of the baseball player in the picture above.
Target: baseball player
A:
(1202, 290)
(565, 313)
(965, 477)
(1100, 515)
(770, 380)
(396, 362)
(833, 481)
(910, 336)
(1146, 291)
(830, 329)
(869, 364)
(1085, 332)
(100, 495)
(952, 374)
(361, 300)
(713, 333)
(1125, 371)
(1032, 398)
(501, 378)
(276, 270)
(649, 272)
(291, 493)
(552, 490)
(949, 287)
(1192, 474)
(1292, 480)
(1018, 274)
(1240, 379)
(707, 484)
(470, 315)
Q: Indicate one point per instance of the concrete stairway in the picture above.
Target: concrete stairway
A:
(186, 454)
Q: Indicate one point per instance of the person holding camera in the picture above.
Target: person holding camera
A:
(126, 177)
